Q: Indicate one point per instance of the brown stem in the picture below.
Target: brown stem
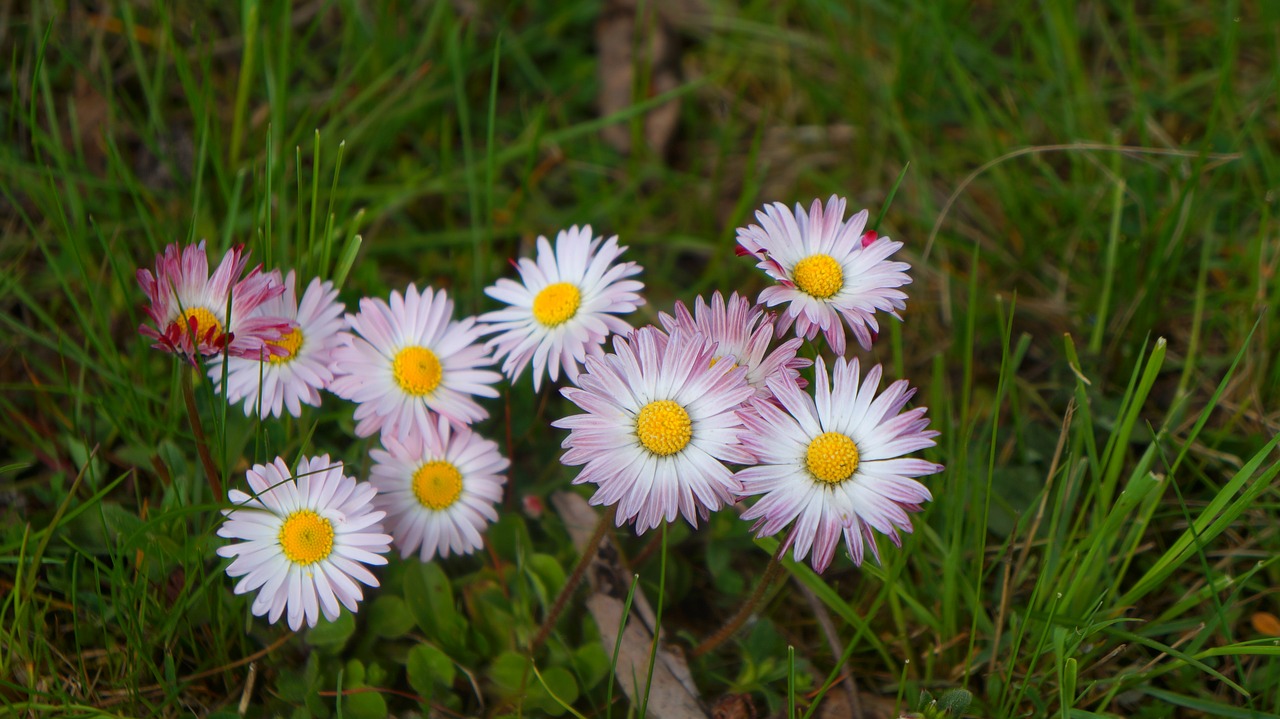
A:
(588, 553)
(197, 429)
(736, 622)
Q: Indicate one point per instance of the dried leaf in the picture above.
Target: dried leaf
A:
(734, 706)
(672, 694)
(631, 37)
(1266, 623)
(837, 705)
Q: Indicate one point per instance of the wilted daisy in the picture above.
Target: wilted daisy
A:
(825, 272)
(306, 539)
(566, 306)
(833, 463)
(411, 358)
(659, 423)
(742, 332)
(189, 308)
(296, 377)
(438, 488)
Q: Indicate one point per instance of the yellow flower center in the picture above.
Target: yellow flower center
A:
(819, 275)
(664, 427)
(417, 370)
(437, 485)
(291, 343)
(832, 457)
(206, 324)
(556, 304)
(306, 537)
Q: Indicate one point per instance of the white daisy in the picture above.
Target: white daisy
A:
(296, 377)
(565, 307)
(411, 359)
(659, 423)
(742, 332)
(438, 489)
(306, 539)
(825, 271)
(834, 462)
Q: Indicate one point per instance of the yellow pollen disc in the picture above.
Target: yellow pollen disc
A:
(417, 370)
(664, 427)
(556, 304)
(437, 485)
(832, 457)
(205, 321)
(291, 343)
(819, 275)
(306, 537)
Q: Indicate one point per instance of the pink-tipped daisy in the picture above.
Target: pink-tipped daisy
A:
(296, 377)
(659, 425)
(743, 332)
(306, 539)
(189, 308)
(411, 358)
(438, 489)
(825, 271)
(566, 306)
(833, 463)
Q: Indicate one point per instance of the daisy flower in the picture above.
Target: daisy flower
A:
(834, 464)
(411, 359)
(743, 332)
(825, 271)
(565, 307)
(659, 423)
(306, 539)
(185, 303)
(438, 489)
(296, 377)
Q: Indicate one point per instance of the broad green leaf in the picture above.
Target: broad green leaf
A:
(331, 636)
(364, 705)
(560, 691)
(428, 670)
(429, 596)
(510, 672)
(592, 664)
(389, 617)
(547, 576)
(353, 673)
